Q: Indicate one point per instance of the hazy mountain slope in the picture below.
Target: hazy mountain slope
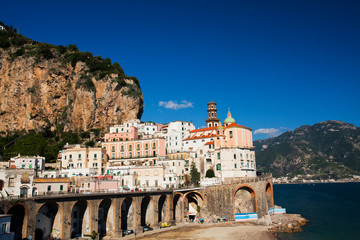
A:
(326, 149)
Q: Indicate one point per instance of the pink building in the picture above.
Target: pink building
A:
(130, 152)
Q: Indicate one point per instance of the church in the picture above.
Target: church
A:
(226, 147)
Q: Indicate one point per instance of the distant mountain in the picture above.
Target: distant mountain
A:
(329, 149)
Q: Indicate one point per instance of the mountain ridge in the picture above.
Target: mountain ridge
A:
(326, 149)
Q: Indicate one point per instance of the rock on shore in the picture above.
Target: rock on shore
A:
(288, 222)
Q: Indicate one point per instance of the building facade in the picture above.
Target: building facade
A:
(226, 148)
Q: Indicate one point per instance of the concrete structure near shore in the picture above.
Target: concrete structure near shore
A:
(70, 215)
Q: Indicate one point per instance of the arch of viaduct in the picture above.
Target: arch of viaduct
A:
(108, 214)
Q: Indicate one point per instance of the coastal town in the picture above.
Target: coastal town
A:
(140, 174)
(139, 156)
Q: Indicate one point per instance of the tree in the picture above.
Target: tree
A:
(187, 180)
(210, 173)
(194, 174)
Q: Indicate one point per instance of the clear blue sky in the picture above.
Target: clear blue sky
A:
(276, 64)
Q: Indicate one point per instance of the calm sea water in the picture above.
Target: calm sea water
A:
(332, 208)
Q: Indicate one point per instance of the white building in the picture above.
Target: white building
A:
(36, 163)
(145, 129)
(42, 186)
(175, 132)
(80, 157)
(16, 182)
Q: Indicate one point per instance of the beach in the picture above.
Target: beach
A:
(229, 231)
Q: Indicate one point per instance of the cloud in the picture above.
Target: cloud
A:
(268, 131)
(174, 105)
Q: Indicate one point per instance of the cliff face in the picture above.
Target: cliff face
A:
(38, 92)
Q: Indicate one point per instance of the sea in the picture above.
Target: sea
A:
(332, 208)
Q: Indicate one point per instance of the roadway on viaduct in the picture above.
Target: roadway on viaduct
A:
(69, 215)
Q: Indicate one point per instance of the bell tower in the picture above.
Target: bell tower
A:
(212, 121)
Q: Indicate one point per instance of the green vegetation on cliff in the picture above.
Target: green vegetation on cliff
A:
(98, 67)
(45, 143)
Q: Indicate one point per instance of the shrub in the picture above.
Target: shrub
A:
(210, 173)
(19, 40)
(45, 52)
(86, 83)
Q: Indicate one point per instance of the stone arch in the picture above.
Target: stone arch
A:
(80, 218)
(178, 207)
(244, 199)
(49, 221)
(147, 211)
(20, 215)
(105, 217)
(127, 213)
(163, 208)
(269, 195)
(194, 201)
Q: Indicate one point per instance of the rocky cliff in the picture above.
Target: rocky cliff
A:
(43, 85)
(329, 149)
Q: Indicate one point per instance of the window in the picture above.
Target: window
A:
(231, 134)
(234, 156)
(88, 185)
(70, 156)
(130, 154)
(138, 154)
(49, 188)
(117, 130)
(218, 167)
(61, 187)
(146, 146)
(3, 229)
(113, 155)
(122, 155)
(218, 155)
(11, 182)
(122, 148)
(146, 153)
(156, 183)
(235, 165)
(113, 148)
(154, 145)
(95, 155)
(138, 147)
(130, 147)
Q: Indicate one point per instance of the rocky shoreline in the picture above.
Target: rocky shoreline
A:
(288, 223)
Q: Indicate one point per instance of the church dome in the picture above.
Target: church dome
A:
(229, 119)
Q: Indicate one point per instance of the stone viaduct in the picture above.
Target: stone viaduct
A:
(70, 215)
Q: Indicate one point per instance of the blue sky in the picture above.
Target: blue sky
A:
(276, 64)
